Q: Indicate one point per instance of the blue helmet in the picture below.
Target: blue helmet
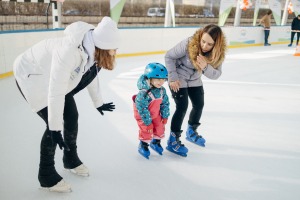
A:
(156, 70)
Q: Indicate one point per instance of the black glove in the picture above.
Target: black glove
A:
(106, 107)
(58, 139)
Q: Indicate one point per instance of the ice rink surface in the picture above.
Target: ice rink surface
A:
(251, 121)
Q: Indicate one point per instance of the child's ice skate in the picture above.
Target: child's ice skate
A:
(193, 136)
(175, 146)
(155, 145)
(143, 149)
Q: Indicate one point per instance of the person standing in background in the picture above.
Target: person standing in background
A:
(266, 22)
(295, 27)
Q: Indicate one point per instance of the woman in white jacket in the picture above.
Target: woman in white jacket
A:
(50, 73)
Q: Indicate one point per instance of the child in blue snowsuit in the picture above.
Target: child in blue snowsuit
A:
(151, 108)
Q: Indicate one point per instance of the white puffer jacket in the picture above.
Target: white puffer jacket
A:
(51, 69)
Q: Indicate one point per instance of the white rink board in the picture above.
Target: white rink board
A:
(137, 40)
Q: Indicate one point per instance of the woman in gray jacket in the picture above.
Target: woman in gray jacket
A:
(49, 74)
(203, 53)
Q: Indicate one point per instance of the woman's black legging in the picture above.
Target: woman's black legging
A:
(48, 176)
(181, 98)
(70, 114)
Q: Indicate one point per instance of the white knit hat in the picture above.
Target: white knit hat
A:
(106, 35)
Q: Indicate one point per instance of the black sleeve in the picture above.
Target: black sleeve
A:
(87, 78)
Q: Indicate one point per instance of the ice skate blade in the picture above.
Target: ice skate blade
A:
(190, 140)
(160, 153)
(59, 191)
(171, 150)
(147, 157)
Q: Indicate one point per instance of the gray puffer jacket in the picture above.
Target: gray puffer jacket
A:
(181, 68)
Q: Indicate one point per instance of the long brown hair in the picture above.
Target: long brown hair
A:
(217, 55)
(104, 59)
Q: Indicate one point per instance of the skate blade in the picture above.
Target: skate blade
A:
(181, 154)
(55, 190)
(78, 174)
(190, 140)
(160, 153)
(147, 157)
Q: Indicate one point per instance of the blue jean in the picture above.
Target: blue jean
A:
(292, 37)
(267, 33)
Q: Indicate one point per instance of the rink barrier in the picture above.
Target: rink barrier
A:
(8, 74)
(140, 54)
(5, 75)
(138, 41)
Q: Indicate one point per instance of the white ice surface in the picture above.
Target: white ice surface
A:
(251, 122)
